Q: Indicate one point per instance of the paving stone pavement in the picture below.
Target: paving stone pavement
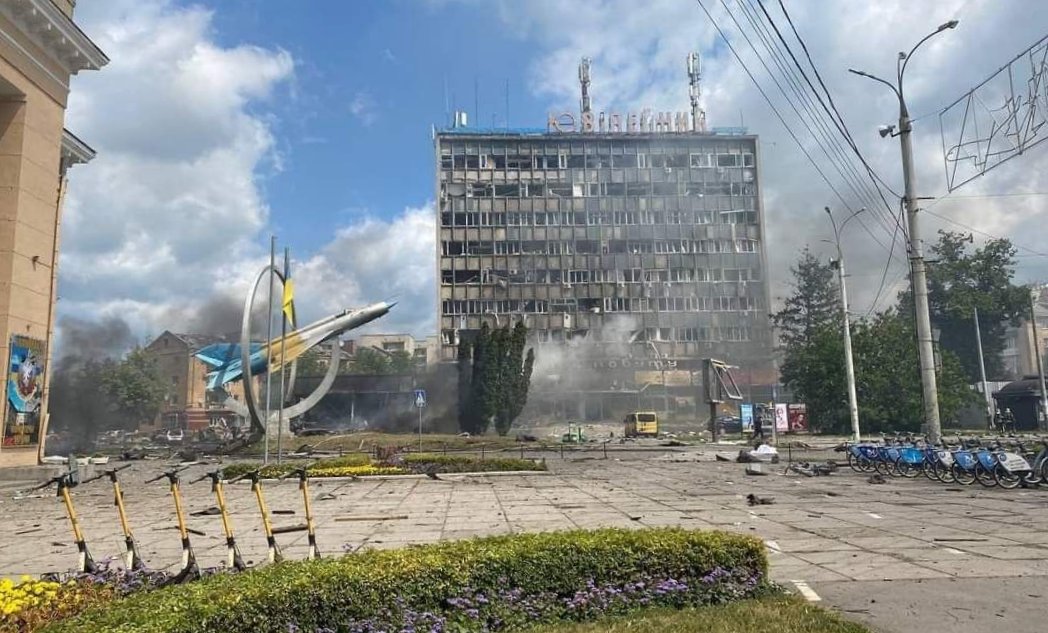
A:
(820, 530)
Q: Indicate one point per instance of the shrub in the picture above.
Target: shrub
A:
(429, 462)
(491, 584)
(272, 471)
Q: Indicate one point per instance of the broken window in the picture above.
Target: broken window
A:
(746, 246)
(638, 189)
(578, 276)
(728, 160)
(701, 160)
(507, 191)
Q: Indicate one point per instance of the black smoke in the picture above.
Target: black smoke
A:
(78, 408)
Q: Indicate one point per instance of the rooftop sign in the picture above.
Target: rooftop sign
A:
(644, 122)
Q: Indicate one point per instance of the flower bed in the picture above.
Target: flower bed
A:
(490, 584)
(432, 462)
(359, 465)
(30, 604)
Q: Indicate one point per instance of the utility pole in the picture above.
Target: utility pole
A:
(1040, 363)
(919, 280)
(849, 367)
(982, 371)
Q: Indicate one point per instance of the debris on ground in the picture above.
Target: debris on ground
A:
(283, 511)
(760, 453)
(325, 496)
(876, 479)
(673, 443)
(754, 500)
(756, 469)
(206, 512)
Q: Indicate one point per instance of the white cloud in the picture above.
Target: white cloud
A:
(364, 108)
(639, 52)
(373, 260)
(174, 193)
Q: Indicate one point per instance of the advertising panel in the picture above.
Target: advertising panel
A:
(782, 423)
(798, 417)
(25, 385)
(746, 413)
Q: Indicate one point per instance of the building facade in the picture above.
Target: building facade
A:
(631, 256)
(188, 404)
(40, 48)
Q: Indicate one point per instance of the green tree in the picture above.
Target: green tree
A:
(888, 383)
(310, 363)
(514, 377)
(962, 279)
(134, 388)
(809, 329)
(370, 362)
(813, 304)
(465, 378)
(495, 386)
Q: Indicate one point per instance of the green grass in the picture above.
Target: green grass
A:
(775, 614)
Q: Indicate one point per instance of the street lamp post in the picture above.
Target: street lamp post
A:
(1042, 412)
(853, 404)
(919, 280)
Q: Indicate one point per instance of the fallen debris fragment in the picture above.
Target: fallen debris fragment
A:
(754, 500)
(395, 517)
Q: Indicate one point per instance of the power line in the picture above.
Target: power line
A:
(843, 127)
(984, 233)
(850, 174)
(778, 115)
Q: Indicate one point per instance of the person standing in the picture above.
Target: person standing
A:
(758, 425)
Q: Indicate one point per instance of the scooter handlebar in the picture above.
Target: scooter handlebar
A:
(251, 473)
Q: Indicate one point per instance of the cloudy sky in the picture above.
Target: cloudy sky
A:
(218, 124)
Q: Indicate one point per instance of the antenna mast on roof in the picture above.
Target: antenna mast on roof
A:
(698, 115)
(584, 81)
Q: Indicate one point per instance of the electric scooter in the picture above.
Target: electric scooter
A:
(303, 485)
(233, 558)
(190, 570)
(267, 526)
(132, 559)
(85, 563)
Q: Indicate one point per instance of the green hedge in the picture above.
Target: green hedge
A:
(496, 583)
(432, 462)
(273, 471)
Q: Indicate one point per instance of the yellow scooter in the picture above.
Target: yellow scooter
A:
(85, 563)
(267, 526)
(190, 570)
(132, 559)
(303, 485)
(233, 558)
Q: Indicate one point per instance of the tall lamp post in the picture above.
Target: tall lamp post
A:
(918, 277)
(853, 404)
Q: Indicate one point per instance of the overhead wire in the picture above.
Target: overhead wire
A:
(842, 126)
(851, 175)
(775, 110)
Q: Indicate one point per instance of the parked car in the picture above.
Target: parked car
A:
(729, 424)
(175, 435)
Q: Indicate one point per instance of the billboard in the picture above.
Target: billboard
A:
(25, 386)
(798, 417)
(746, 414)
(782, 423)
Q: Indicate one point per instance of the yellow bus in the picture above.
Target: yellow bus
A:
(642, 424)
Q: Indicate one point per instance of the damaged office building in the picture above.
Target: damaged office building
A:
(630, 244)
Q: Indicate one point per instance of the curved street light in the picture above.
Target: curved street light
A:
(849, 366)
(919, 282)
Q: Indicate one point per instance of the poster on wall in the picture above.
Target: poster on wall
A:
(25, 385)
(782, 423)
(798, 417)
(746, 413)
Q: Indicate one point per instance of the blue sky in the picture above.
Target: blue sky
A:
(219, 122)
(390, 61)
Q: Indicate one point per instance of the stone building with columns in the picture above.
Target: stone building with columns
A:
(40, 49)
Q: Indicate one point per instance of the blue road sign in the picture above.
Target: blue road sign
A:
(420, 398)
